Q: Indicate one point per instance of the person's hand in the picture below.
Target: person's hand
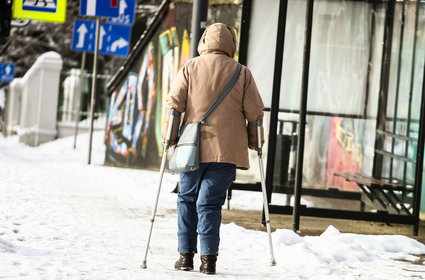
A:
(174, 130)
(253, 147)
(253, 137)
(170, 143)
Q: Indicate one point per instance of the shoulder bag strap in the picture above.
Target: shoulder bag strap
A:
(223, 94)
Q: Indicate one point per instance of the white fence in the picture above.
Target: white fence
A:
(33, 101)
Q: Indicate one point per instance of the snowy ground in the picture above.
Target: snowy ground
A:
(63, 219)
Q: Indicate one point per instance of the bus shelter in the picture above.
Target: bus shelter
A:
(343, 83)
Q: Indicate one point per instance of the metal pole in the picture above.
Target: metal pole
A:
(395, 114)
(244, 32)
(274, 107)
(77, 120)
(94, 87)
(199, 22)
(419, 157)
(371, 55)
(412, 78)
(158, 190)
(302, 117)
(264, 190)
(381, 118)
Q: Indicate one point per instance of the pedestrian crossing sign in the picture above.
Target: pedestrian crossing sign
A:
(43, 10)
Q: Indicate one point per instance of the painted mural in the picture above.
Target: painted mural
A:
(130, 113)
(137, 108)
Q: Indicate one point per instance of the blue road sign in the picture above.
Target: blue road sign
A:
(114, 39)
(99, 8)
(83, 38)
(49, 6)
(127, 9)
(7, 72)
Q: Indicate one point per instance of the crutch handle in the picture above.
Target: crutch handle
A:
(174, 114)
(259, 124)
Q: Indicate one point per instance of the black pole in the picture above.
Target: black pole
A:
(395, 116)
(369, 64)
(378, 159)
(274, 108)
(199, 22)
(419, 157)
(303, 115)
(244, 32)
(412, 78)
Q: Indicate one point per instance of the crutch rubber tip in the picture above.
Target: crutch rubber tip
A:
(273, 263)
(143, 265)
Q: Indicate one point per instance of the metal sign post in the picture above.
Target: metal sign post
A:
(77, 120)
(115, 43)
(94, 87)
(199, 21)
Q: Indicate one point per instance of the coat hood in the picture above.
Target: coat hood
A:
(218, 38)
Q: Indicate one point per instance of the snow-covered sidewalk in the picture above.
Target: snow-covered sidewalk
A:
(63, 219)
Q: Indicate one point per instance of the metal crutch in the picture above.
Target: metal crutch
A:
(161, 174)
(264, 190)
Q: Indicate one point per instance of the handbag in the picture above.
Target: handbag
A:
(185, 157)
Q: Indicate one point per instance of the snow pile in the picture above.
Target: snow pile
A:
(63, 219)
(334, 252)
(332, 255)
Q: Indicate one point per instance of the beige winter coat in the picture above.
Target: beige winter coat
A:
(200, 81)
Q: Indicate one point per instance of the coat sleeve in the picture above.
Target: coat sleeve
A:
(253, 109)
(176, 99)
(177, 96)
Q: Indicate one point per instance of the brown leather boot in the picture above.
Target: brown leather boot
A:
(185, 262)
(208, 264)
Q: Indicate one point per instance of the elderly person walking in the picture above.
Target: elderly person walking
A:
(224, 141)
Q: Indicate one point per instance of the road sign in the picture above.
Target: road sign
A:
(99, 8)
(127, 9)
(7, 72)
(84, 35)
(114, 39)
(44, 10)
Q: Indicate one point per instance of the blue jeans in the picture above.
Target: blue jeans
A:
(202, 194)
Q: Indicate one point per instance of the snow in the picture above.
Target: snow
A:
(63, 219)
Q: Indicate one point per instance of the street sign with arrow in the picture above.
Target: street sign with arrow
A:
(83, 37)
(114, 39)
(127, 9)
